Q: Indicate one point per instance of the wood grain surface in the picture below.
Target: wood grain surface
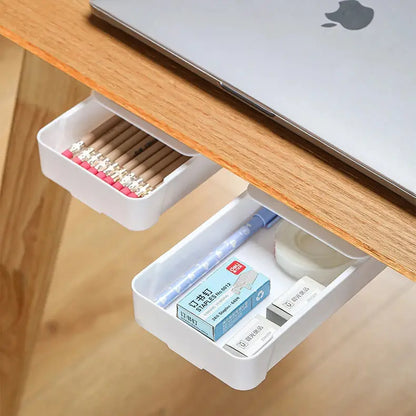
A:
(32, 216)
(245, 142)
(10, 66)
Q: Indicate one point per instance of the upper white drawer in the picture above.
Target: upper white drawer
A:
(135, 214)
(244, 373)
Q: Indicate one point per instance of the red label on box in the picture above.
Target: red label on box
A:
(235, 267)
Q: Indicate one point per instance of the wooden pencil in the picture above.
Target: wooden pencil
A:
(143, 156)
(160, 176)
(153, 180)
(93, 156)
(91, 137)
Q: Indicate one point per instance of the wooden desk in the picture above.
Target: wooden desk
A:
(131, 74)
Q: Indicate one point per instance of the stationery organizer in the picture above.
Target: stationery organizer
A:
(118, 164)
(219, 355)
(241, 291)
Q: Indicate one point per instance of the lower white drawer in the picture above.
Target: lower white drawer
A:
(134, 214)
(244, 373)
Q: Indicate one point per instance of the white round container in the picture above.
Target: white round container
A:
(300, 254)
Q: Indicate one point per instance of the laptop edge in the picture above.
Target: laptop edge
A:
(393, 186)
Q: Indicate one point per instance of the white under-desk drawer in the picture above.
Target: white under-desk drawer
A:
(241, 372)
(135, 214)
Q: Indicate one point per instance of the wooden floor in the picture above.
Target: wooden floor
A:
(92, 359)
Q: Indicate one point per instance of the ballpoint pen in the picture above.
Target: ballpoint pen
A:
(261, 218)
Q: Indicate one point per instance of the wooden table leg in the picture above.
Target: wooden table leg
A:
(32, 217)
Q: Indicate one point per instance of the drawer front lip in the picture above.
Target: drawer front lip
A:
(238, 373)
(306, 224)
(134, 214)
(338, 294)
(241, 373)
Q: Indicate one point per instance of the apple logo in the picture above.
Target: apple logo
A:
(351, 14)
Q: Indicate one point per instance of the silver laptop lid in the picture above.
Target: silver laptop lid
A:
(344, 73)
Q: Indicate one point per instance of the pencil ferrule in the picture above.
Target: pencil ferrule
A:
(111, 169)
(86, 154)
(128, 179)
(136, 185)
(77, 147)
(144, 191)
(102, 164)
(94, 159)
(118, 174)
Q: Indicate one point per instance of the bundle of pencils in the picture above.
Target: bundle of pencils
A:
(125, 157)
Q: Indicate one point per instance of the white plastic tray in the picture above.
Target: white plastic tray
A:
(243, 373)
(134, 214)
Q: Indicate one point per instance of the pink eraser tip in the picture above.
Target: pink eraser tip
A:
(67, 153)
(125, 190)
(101, 175)
(109, 180)
(132, 195)
(85, 165)
(93, 170)
(77, 160)
(118, 186)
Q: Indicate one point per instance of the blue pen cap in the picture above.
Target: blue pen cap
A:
(267, 217)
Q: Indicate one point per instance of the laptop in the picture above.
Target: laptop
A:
(341, 74)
